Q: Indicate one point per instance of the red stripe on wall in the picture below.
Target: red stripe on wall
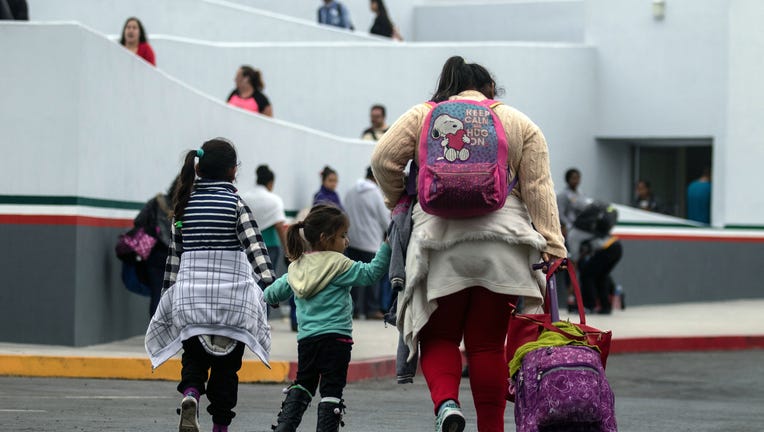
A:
(695, 238)
(686, 343)
(89, 221)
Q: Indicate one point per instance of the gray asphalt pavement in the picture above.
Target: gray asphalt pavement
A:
(705, 391)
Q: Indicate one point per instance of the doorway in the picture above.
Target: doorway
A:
(669, 165)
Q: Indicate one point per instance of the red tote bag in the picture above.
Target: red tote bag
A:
(524, 328)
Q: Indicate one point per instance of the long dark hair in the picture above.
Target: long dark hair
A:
(458, 76)
(382, 10)
(254, 77)
(141, 39)
(322, 219)
(264, 175)
(216, 159)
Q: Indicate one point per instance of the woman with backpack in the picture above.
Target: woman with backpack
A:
(461, 272)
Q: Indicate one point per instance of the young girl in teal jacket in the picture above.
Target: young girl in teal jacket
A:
(320, 280)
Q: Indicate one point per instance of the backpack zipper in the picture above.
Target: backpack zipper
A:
(559, 368)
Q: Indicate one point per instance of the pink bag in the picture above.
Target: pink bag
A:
(463, 160)
(135, 245)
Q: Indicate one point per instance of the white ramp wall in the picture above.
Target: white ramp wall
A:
(204, 19)
(330, 86)
(108, 125)
(401, 12)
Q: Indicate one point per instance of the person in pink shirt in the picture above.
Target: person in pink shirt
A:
(134, 38)
(248, 93)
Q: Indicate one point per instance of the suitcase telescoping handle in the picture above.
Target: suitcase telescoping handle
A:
(551, 288)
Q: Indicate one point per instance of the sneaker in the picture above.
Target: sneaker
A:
(450, 418)
(189, 415)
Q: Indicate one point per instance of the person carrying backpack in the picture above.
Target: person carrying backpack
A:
(483, 185)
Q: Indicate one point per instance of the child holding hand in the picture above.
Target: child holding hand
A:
(320, 280)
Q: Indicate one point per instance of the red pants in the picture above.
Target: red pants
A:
(481, 317)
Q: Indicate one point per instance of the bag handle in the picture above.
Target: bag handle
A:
(554, 267)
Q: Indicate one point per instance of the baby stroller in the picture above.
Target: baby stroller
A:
(596, 252)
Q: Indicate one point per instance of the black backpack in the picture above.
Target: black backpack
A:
(598, 218)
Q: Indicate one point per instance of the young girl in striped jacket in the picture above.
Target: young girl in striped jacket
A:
(212, 301)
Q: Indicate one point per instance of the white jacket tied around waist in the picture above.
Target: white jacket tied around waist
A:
(214, 294)
(494, 251)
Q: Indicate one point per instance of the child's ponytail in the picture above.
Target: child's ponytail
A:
(217, 161)
(295, 246)
(185, 184)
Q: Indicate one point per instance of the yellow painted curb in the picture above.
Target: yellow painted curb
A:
(125, 368)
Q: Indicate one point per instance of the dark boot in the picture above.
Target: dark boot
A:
(295, 403)
(330, 415)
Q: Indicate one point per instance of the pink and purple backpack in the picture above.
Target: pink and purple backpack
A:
(463, 160)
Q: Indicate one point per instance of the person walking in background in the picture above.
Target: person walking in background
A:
(14, 10)
(335, 14)
(378, 124)
(570, 201)
(134, 38)
(369, 219)
(644, 198)
(154, 218)
(327, 193)
(383, 26)
(211, 306)
(268, 208)
(459, 282)
(321, 280)
(248, 93)
(699, 198)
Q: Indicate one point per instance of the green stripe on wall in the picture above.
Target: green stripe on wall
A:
(744, 227)
(70, 201)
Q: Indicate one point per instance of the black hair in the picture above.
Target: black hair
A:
(323, 219)
(254, 77)
(326, 172)
(264, 175)
(381, 9)
(381, 108)
(217, 158)
(458, 76)
(141, 38)
(645, 182)
(173, 186)
(369, 173)
(570, 173)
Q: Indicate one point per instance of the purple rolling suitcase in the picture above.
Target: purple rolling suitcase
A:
(563, 389)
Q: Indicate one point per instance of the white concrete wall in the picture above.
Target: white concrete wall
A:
(695, 73)
(743, 156)
(202, 19)
(104, 124)
(503, 20)
(663, 78)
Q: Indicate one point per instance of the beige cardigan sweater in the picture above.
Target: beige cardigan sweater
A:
(528, 156)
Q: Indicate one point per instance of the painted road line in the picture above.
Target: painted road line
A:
(125, 368)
